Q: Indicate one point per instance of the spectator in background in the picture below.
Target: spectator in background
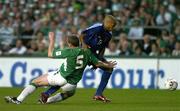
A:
(125, 16)
(154, 50)
(136, 31)
(41, 39)
(83, 24)
(19, 49)
(165, 35)
(177, 29)
(53, 26)
(112, 49)
(69, 21)
(42, 50)
(148, 19)
(141, 14)
(59, 34)
(45, 28)
(177, 22)
(116, 5)
(171, 6)
(164, 17)
(124, 49)
(163, 48)
(61, 37)
(36, 24)
(0, 52)
(73, 30)
(27, 29)
(176, 51)
(33, 47)
(146, 44)
(75, 15)
(16, 24)
(134, 44)
(6, 32)
(122, 38)
(172, 42)
(139, 52)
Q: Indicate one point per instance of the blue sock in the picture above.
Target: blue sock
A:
(104, 80)
(52, 90)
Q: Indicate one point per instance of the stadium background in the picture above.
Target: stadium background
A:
(146, 45)
(146, 41)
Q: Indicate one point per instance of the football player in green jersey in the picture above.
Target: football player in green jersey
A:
(68, 75)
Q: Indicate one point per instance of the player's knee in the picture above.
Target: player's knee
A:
(34, 82)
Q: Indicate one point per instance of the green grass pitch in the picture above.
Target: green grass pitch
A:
(122, 100)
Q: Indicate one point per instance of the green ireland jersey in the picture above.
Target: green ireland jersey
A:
(76, 59)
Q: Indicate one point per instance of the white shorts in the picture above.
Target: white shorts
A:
(55, 79)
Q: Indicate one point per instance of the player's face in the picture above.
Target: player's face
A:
(109, 25)
(68, 44)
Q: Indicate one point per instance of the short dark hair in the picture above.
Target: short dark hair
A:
(73, 39)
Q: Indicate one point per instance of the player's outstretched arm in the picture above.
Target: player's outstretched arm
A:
(51, 44)
(108, 65)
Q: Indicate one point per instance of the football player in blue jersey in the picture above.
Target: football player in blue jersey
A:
(97, 38)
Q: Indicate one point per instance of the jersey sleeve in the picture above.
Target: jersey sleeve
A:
(92, 58)
(59, 53)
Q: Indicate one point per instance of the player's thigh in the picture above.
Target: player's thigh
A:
(55, 79)
(68, 87)
(41, 80)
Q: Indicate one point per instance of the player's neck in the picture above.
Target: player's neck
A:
(72, 46)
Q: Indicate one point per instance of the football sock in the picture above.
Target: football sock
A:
(55, 98)
(52, 90)
(60, 96)
(104, 80)
(28, 90)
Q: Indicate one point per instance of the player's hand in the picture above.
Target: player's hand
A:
(112, 64)
(51, 36)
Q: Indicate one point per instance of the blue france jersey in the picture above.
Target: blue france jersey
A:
(96, 37)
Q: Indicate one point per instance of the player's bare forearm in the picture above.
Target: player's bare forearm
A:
(108, 65)
(51, 44)
(50, 49)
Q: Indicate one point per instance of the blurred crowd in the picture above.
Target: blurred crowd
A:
(145, 27)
